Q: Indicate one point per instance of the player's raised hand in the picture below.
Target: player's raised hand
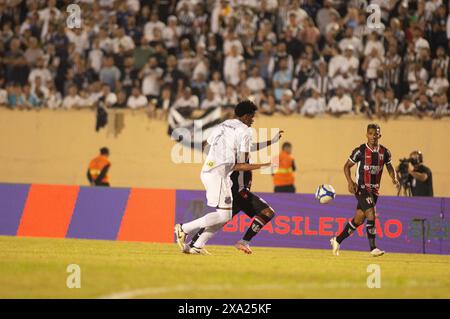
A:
(276, 138)
(352, 187)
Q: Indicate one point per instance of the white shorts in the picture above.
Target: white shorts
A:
(218, 190)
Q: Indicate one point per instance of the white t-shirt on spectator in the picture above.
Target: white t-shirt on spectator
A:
(71, 101)
(438, 84)
(106, 44)
(95, 59)
(126, 42)
(402, 109)
(340, 62)
(313, 106)
(206, 104)
(421, 43)
(43, 73)
(355, 42)
(255, 84)
(231, 69)
(372, 67)
(81, 40)
(291, 105)
(413, 78)
(149, 26)
(228, 44)
(137, 102)
(54, 100)
(150, 83)
(343, 104)
(182, 102)
(370, 45)
(171, 37)
(3, 96)
(218, 88)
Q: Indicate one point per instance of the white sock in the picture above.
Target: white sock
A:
(221, 216)
(207, 234)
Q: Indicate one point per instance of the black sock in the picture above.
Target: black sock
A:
(258, 223)
(371, 233)
(195, 237)
(348, 230)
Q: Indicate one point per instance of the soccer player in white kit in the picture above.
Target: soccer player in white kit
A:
(230, 143)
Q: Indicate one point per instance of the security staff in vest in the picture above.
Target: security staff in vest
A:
(97, 173)
(283, 177)
(420, 176)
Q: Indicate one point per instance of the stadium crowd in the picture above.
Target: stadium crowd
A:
(291, 56)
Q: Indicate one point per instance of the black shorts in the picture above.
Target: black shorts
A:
(249, 203)
(366, 200)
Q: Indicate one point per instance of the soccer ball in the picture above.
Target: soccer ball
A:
(325, 194)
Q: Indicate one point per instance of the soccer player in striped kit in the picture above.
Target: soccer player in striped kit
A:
(370, 159)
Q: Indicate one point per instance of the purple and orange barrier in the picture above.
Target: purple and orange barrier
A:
(148, 215)
(87, 212)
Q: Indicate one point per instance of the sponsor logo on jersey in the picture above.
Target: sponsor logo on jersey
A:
(373, 169)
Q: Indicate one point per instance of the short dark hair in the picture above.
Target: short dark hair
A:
(373, 126)
(104, 151)
(245, 107)
(286, 144)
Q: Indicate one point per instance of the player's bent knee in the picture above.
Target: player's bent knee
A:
(370, 214)
(268, 212)
(225, 215)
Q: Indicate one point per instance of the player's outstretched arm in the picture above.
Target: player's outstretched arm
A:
(262, 145)
(249, 167)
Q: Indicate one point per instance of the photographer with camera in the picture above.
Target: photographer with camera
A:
(415, 178)
(420, 175)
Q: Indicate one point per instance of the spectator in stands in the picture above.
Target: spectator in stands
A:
(29, 99)
(287, 105)
(15, 63)
(361, 106)
(187, 100)
(282, 79)
(232, 66)
(268, 104)
(255, 82)
(72, 100)
(340, 103)
(438, 83)
(216, 85)
(3, 92)
(423, 106)
(389, 104)
(109, 73)
(121, 101)
(314, 105)
(33, 52)
(406, 107)
(442, 108)
(54, 99)
(137, 99)
(211, 101)
(164, 102)
(124, 37)
(151, 75)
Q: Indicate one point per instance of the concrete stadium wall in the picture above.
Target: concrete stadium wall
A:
(148, 215)
(56, 146)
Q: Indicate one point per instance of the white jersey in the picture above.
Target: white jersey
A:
(226, 141)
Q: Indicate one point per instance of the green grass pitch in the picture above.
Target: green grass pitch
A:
(36, 268)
